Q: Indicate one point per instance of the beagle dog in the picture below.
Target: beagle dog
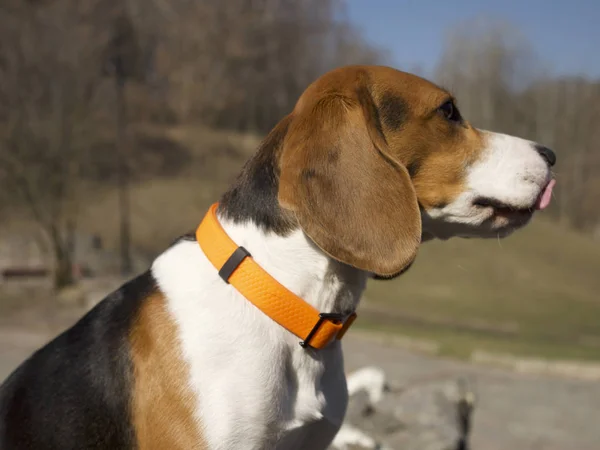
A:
(202, 350)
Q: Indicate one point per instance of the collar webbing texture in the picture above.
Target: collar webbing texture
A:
(263, 291)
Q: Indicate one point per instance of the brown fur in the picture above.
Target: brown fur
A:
(436, 151)
(162, 404)
(365, 147)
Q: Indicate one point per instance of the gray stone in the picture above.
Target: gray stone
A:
(423, 416)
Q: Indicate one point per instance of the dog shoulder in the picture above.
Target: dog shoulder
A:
(77, 388)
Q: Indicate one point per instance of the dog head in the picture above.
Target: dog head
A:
(372, 160)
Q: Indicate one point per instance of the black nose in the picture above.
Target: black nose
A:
(547, 154)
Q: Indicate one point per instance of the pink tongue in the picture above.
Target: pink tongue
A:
(546, 196)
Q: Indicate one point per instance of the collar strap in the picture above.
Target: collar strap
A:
(237, 267)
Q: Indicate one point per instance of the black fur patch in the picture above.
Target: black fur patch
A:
(394, 111)
(372, 113)
(74, 393)
(253, 196)
(189, 236)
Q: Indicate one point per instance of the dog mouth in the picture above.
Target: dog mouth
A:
(502, 209)
(489, 217)
(503, 218)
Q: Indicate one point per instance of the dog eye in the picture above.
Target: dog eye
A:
(450, 111)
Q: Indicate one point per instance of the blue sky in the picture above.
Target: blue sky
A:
(564, 34)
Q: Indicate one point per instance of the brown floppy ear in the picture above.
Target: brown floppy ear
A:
(349, 195)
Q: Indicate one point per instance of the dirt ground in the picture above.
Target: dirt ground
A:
(514, 411)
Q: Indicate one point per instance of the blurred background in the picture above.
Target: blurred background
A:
(121, 121)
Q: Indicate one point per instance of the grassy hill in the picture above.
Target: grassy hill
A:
(535, 293)
(166, 206)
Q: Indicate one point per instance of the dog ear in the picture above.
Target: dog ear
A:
(348, 193)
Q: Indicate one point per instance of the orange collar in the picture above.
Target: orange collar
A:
(238, 268)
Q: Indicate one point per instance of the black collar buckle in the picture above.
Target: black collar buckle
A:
(334, 317)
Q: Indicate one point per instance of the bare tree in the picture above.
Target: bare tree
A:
(239, 64)
(242, 64)
(48, 76)
(123, 63)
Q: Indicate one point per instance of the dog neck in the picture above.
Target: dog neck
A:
(299, 265)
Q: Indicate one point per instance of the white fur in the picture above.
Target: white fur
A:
(256, 387)
(509, 170)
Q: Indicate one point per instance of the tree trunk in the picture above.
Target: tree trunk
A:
(63, 269)
(63, 274)
(123, 177)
